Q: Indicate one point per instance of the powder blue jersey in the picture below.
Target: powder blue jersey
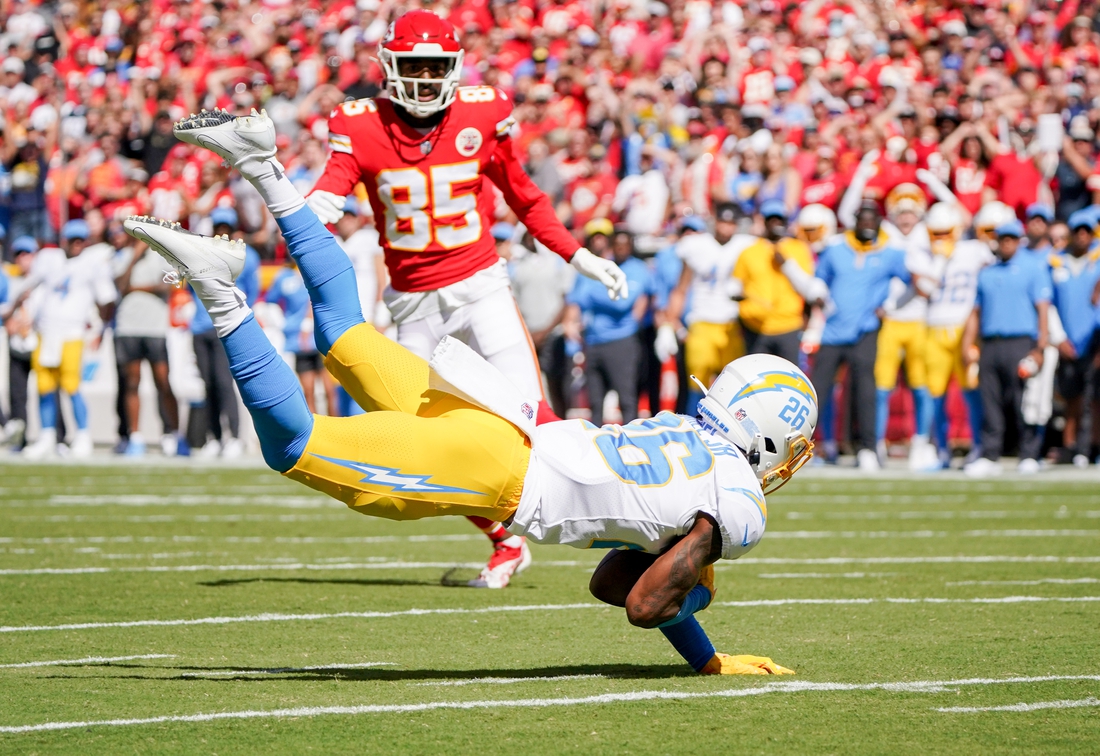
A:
(858, 278)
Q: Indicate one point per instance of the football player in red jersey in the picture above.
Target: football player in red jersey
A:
(427, 156)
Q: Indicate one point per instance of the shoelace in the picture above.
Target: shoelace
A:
(175, 278)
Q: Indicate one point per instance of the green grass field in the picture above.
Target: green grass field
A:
(246, 614)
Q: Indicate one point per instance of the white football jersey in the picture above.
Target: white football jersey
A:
(361, 248)
(712, 265)
(638, 486)
(952, 301)
(904, 304)
(71, 287)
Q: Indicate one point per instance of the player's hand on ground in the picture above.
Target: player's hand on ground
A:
(328, 207)
(604, 271)
(724, 664)
(706, 579)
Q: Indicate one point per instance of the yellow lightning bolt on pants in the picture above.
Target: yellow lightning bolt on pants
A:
(416, 452)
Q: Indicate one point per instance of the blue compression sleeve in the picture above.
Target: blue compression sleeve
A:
(922, 402)
(328, 274)
(691, 642)
(697, 598)
(47, 409)
(272, 394)
(882, 412)
(80, 411)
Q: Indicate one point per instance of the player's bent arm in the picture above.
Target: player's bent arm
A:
(661, 590)
(970, 336)
(617, 574)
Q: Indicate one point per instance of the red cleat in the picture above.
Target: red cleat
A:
(505, 562)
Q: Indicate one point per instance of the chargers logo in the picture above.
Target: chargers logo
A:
(394, 479)
(777, 381)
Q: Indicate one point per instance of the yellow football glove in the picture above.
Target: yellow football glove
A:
(724, 664)
(706, 579)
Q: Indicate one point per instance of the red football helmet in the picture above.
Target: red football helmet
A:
(421, 34)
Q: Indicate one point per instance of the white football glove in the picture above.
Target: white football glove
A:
(604, 271)
(666, 344)
(328, 207)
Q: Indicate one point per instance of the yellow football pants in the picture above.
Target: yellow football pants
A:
(710, 347)
(898, 340)
(417, 452)
(66, 375)
(943, 358)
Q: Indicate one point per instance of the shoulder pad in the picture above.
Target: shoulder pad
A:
(496, 100)
(1054, 261)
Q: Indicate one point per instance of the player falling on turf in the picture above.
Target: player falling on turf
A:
(422, 155)
(459, 438)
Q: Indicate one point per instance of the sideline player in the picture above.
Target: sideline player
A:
(423, 155)
(457, 438)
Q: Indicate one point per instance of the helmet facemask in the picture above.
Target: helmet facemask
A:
(406, 90)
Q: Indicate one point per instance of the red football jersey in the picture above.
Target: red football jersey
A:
(432, 206)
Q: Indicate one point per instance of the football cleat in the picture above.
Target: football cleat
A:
(505, 562)
(235, 139)
(724, 664)
(194, 257)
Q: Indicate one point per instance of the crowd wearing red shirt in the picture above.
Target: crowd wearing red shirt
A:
(737, 100)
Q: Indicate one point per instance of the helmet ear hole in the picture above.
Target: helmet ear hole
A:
(769, 446)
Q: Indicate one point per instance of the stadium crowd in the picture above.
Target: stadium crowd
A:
(716, 150)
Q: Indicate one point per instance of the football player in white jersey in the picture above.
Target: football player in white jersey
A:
(904, 324)
(949, 307)
(714, 334)
(457, 438)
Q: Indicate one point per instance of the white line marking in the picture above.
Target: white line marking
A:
(274, 500)
(284, 670)
(1075, 704)
(85, 660)
(920, 560)
(281, 566)
(72, 540)
(273, 617)
(816, 575)
(639, 695)
(1011, 533)
(510, 680)
(1043, 581)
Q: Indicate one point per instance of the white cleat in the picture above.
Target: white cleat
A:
(982, 468)
(235, 139)
(44, 448)
(506, 562)
(195, 258)
(232, 448)
(867, 460)
(82, 446)
(1028, 466)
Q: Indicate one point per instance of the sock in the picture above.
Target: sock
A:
(691, 642)
(328, 275)
(973, 399)
(271, 393)
(882, 412)
(922, 403)
(827, 420)
(224, 302)
(80, 411)
(939, 422)
(694, 396)
(47, 409)
(269, 178)
(495, 532)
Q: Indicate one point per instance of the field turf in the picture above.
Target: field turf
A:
(219, 610)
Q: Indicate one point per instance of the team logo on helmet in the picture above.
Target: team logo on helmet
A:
(776, 381)
(468, 141)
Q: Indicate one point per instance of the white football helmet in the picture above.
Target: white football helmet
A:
(816, 223)
(989, 218)
(767, 407)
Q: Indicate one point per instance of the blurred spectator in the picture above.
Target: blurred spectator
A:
(288, 291)
(610, 327)
(22, 340)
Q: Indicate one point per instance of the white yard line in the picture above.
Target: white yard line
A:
(509, 680)
(821, 575)
(275, 617)
(187, 500)
(73, 540)
(931, 686)
(1009, 533)
(85, 660)
(1043, 581)
(267, 567)
(1038, 706)
(991, 559)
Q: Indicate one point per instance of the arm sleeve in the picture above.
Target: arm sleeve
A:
(529, 202)
(901, 268)
(105, 291)
(342, 171)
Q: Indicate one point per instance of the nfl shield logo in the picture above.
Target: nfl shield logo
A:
(527, 410)
(740, 414)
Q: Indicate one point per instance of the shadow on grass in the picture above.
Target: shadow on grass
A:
(388, 674)
(317, 581)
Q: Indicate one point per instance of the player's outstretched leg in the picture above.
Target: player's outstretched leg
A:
(268, 386)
